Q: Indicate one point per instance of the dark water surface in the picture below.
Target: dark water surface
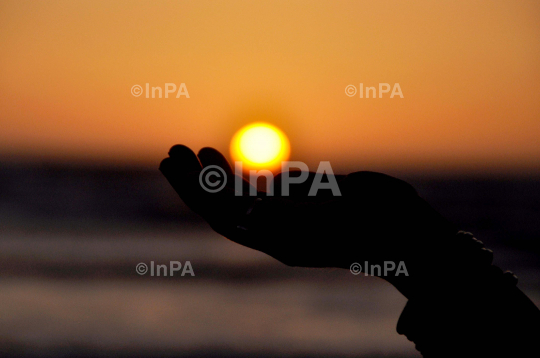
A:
(71, 238)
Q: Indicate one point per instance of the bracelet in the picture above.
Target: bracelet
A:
(477, 256)
(483, 278)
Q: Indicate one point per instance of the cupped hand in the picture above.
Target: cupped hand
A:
(376, 219)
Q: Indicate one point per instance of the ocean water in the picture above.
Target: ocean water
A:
(71, 239)
(61, 295)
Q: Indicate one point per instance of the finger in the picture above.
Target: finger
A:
(185, 157)
(180, 169)
(210, 156)
(211, 206)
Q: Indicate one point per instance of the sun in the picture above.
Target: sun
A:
(260, 146)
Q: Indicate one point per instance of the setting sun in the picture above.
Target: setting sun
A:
(260, 146)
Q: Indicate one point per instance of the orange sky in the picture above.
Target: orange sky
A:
(469, 72)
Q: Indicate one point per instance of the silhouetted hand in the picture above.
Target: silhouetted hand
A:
(458, 301)
(376, 219)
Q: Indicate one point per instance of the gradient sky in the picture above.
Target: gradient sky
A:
(469, 72)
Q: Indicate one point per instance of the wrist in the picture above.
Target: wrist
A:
(486, 315)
